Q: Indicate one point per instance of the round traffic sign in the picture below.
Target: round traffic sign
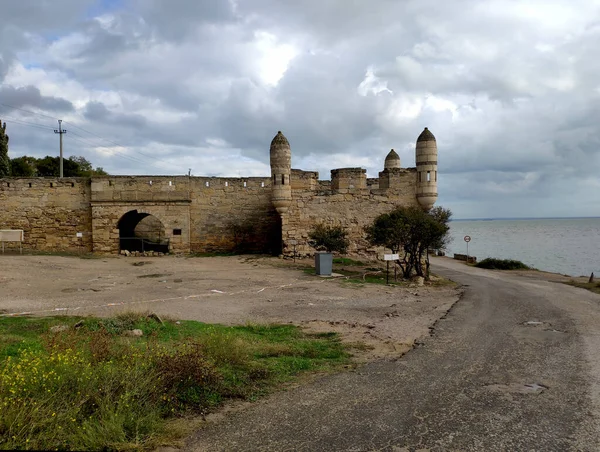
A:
(467, 238)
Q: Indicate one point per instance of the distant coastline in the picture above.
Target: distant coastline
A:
(522, 218)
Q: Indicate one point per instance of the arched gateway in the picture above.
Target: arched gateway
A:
(139, 231)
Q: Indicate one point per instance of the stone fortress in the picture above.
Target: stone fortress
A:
(185, 214)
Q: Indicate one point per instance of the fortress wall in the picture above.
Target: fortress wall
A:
(50, 211)
(165, 197)
(354, 211)
(233, 214)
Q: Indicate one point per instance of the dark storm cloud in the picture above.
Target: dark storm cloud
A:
(30, 96)
(510, 89)
(97, 112)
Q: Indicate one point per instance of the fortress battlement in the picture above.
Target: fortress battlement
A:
(107, 214)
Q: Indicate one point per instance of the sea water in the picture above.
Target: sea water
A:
(570, 246)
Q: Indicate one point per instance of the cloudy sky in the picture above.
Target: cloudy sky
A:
(510, 88)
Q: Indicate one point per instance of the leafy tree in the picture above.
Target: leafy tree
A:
(329, 238)
(23, 166)
(48, 167)
(4, 160)
(74, 166)
(85, 167)
(443, 216)
(412, 231)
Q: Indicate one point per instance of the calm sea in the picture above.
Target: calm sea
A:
(570, 246)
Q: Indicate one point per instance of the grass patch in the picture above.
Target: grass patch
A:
(502, 264)
(348, 261)
(592, 287)
(92, 387)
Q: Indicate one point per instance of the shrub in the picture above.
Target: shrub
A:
(329, 238)
(502, 264)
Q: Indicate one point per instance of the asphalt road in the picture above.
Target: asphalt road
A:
(484, 380)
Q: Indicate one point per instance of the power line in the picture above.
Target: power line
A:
(25, 123)
(28, 111)
(120, 145)
(91, 133)
(112, 150)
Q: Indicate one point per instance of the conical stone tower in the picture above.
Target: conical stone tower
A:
(281, 170)
(392, 160)
(426, 157)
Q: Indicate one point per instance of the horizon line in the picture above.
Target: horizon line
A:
(520, 218)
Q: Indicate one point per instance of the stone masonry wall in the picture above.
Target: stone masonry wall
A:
(50, 211)
(199, 214)
(234, 214)
(209, 214)
(352, 208)
(165, 197)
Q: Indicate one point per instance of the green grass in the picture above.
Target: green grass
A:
(356, 277)
(348, 261)
(502, 264)
(593, 287)
(92, 387)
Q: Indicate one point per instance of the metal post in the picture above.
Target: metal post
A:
(467, 252)
(60, 132)
(387, 273)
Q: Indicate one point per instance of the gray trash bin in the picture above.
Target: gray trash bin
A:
(323, 263)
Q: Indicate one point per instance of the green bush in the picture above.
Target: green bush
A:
(93, 388)
(502, 264)
(329, 238)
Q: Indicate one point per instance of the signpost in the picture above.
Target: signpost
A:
(467, 239)
(293, 243)
(387, 258)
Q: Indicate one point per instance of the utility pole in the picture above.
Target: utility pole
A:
(60, 132)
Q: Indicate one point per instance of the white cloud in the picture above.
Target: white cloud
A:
(509, 88)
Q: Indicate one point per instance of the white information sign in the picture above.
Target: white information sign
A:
(391, 257)
(12, 235)
(80, 234)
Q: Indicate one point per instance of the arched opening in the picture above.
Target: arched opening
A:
(142, 232)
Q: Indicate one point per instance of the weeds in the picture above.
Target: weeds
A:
(592, 287)
(502, 264)
(91, 387)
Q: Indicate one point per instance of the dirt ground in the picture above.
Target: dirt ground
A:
(227, 290)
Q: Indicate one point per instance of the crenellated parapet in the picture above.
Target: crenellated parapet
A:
(345, 180)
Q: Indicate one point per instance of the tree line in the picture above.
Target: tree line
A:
(26, 166)
(74, 166)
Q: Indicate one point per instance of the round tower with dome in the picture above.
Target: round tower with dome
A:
(426, 159)
(281, 169)
(392, 161)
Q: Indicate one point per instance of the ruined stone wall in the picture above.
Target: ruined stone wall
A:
(352, 208)
(165, 197)
(234, 214)
(50, 211)
(199, 214)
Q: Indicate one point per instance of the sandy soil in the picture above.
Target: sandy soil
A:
(228, 290)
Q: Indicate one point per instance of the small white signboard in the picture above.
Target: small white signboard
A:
(12, 235)
(391, 257)
(80, 234)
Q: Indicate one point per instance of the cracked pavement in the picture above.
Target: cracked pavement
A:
(514, 365)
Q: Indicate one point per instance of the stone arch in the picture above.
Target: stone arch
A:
(142, 231)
